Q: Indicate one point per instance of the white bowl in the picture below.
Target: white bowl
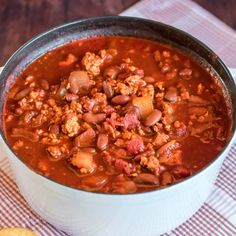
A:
(84, 213)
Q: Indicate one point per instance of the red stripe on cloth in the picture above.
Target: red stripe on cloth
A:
(190, 226)
(230, 169)
(22, 210)
(28, 218)
(201, 222)
(211, 226)
(230, 165)
(16, 209)
(9, 214)
(228, 179)
(229, 228)
(222, 202)
(5, 166)
(197, 224)
(206, 220)
(215, 220)
(222, 185)
(13, 192)
(231, 156)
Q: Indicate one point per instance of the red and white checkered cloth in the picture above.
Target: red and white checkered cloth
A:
(218, 215)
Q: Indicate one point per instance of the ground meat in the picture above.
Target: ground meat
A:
(174, 159)
(56, 152)
(114, 120)
(92, 63)
(179, 129)
(71, 125)
(161, 139)
(135, 81)
(169, 114)
(151, 163)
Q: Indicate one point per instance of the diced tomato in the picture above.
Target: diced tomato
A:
(135, 145)
(130, 121)
(123, 166)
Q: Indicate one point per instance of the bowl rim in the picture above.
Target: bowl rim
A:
(120, 18)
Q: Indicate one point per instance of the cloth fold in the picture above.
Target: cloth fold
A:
(218, 215)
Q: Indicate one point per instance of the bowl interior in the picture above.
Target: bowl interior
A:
(124, 26)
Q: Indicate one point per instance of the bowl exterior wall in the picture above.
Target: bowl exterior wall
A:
(86, 214)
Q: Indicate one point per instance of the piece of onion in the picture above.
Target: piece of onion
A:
(145, 105)
(79, 81)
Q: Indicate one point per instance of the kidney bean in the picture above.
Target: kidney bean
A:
(95, 182)
(94, 118)
(23, 93)
(102, 141)
(146, 153)
(146, 178)
(166, 178)
(54, 129)
(111, 72)
(44, 84)
(21, 132)
(171, 145)
(86, 139)
(197, 99)
(197, 111)
(134, 110)
(149, 79)
(139, 72)
(125, 186)
(153, 118)
(120, 99)
(13, 91)
(89, 150)
(181, 172)
(171, 94)
(107, 89)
